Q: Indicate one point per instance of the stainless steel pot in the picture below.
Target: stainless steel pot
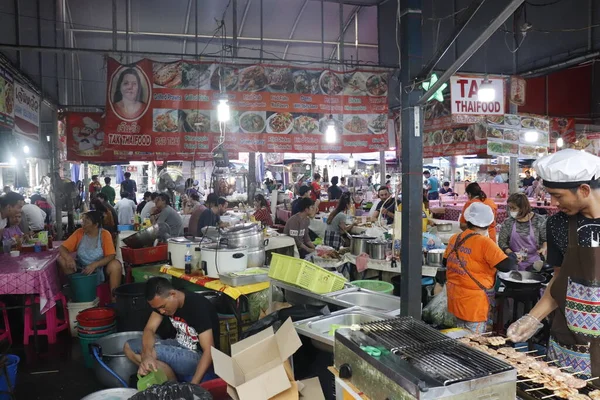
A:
(248, 235)
(281, 197)
(359, 243)
(377, 249)
(444, 227)
(256, 258)
(434, 257)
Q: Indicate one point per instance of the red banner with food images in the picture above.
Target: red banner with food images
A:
(171, 107)
(86, 141)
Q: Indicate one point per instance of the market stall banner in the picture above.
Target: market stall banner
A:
(461, 141)
(514, 135)
(171, 107)
(27, 113)
(86, 141)
(464, 99)
(7, 99)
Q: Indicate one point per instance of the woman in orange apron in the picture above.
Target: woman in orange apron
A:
(572, 178)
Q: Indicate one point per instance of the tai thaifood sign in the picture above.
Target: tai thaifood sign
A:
(464, 99)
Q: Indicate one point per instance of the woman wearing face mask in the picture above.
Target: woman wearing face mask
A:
(524, 230)
(472, 259)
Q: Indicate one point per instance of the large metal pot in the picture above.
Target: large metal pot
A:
(377, 249)
(256, 258)
(444, 227)
(146, 237)
(111, 352)
(248, 235)
(359, 244)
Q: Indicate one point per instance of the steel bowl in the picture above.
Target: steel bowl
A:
(530, 280)
(444, 227)
(146, 237)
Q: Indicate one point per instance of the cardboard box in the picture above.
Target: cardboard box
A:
(255, 370)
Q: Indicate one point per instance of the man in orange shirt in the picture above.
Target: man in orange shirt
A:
(475, 194)
(472, 259)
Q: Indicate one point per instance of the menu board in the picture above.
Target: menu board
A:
(7, 98)
(510, 135)
(86, 141)
(467, 140)
(27, 113)
(171, 107)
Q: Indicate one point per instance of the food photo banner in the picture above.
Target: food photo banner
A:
(171, 107)
(7, 98)
(514, 135)
(86, 141)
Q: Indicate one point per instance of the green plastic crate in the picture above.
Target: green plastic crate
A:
(304, 274)
(142, 274)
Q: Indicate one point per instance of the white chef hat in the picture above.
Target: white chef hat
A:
(568, 168)
(479, 214)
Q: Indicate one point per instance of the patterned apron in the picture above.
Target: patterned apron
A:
(518, 242)
(89, 252)
(575, 333)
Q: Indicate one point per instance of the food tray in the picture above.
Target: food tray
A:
(305, 274)
(237, 279)
(145, 255)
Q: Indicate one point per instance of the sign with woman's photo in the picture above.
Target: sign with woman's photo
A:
(171, 107)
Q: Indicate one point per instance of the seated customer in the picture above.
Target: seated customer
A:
(262, 213)
(337, 229)
(12, 230)
(303, 193)
(188, 356)
(166, 214)
(215, 207)
(446, 189)
(95, 251)
(297, 227)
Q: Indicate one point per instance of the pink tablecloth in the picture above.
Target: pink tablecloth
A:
(31, 273)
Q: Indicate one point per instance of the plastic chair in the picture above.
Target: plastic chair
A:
(53, 324)
(5, 333)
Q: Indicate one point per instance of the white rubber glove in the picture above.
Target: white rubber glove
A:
(524, 328)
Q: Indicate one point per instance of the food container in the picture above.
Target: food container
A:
(359, 243)
(177, 247)
(377, 249)
(434, 257)
(248, 277)
(249, 235)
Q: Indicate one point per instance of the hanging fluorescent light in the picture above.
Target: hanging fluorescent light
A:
(26, 149)
(351, 162)
(531, 136)
(223, 114)
(47, 138)
(13, 161)
(330, 132)
(486, 92)
(560, 142)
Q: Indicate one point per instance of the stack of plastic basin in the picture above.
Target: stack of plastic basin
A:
(74, 310)
(93, 324)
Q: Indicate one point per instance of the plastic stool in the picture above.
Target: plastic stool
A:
(5, 333)
(53, 324)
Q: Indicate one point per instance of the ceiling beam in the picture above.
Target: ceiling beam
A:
(186, 26)
(294, 26)
(353, 14)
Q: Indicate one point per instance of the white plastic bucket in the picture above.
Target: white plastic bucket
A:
(76, 308)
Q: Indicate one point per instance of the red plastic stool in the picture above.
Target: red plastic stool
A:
(53, 324)
(5, 333)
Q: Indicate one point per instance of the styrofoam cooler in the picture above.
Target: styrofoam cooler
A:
(76, 308)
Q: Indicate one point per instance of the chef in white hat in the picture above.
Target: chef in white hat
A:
(471, 261)
(572, 178)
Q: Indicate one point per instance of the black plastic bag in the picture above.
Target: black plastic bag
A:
(173, 390)
(275, 319)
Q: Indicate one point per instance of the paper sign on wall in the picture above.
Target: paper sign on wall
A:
(27, 113)
(464, 99)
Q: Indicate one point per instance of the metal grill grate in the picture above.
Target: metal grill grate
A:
(432, 352)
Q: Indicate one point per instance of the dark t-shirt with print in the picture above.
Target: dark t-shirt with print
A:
(195, 317)
(557, 228)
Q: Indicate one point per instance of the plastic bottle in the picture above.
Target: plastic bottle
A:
(37, 248)
(188, 260)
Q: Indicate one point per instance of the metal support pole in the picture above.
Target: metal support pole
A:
(590, 45)
(252, 184)
(322, 30)
(196, 28)
(243, 21)
(342, 31)
(40, 64)
(513, 167)
(294, 26)
(128, 28)
(313, 164)
(477, 43)
(86, 182)
(114, 24)
(63, 22)
(261, 30)
(356, 35)
(235, 28)
(186, 25)
(17, 31)
(382, 167)
(55, 176)
(412, 159)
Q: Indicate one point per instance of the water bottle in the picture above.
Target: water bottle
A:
(37, 248)
(188, 260)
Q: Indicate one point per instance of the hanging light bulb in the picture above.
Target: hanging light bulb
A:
(223, 114)
(486, 92)
(560, 142)
(26, 149)
(351, 162)
(330, 132)
(531, 136)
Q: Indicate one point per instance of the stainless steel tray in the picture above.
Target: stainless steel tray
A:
(233, 279)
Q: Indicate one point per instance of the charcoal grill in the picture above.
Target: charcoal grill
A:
(418, 362)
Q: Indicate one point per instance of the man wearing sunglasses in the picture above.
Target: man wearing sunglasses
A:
(187, 357)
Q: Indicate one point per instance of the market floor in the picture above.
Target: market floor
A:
(56, 373)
